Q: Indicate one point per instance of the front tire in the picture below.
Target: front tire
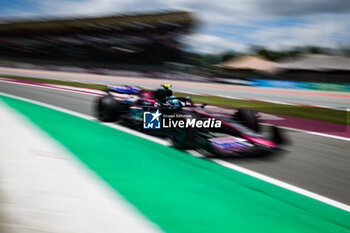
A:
(183, 138)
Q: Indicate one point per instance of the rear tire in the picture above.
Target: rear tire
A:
(107, 109)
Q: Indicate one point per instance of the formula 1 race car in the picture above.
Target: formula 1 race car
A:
(189, 125)
(126, 105)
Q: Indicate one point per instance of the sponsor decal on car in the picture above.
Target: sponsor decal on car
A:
(230, 143)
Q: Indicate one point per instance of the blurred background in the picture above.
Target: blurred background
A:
(232, 40)
(258, 43)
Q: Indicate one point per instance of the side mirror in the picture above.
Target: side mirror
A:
(203, 105)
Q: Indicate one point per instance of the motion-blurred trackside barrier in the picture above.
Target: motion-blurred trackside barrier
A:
(180, 192)
(300, 85)
(327, 86)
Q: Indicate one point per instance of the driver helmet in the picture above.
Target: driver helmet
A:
(173, 101)
(166, 86)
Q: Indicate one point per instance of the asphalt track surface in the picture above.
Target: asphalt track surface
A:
(316, 163)
(339, 100)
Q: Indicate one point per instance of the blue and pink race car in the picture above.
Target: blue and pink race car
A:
(235, 133)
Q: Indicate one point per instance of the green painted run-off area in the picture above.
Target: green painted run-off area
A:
(180, 192)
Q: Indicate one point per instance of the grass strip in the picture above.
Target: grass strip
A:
(314, 113)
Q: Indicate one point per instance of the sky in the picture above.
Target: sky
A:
(224, 24)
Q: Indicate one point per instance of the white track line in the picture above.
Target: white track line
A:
(276, 102)
(47, 87)
(284, 185)
(313, 133)
(221, 162)
(226, 96)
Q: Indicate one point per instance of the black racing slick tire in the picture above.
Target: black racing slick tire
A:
(182, 138)
(107, 109)
(248, 118)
